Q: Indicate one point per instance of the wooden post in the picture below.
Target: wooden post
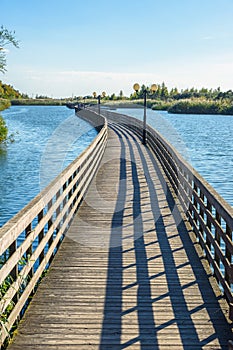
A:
(64, 200)
(201, 214)
(228, 256)
(217, 238)
(14, 272)
(41, 235)
(58, 210)
(29, 250)
(50, 222)
(209, 208)
(194, 202)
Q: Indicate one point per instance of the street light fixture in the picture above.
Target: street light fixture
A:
(99, 98)
(153, 88)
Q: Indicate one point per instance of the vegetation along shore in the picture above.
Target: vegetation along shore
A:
(188, 101)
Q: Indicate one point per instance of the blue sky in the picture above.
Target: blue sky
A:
(77, 47)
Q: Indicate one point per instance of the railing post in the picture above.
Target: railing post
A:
(29, 250)
(209, 208)
(58, 210)
(64, 200)
(231, 311)
(217, 238)
(74, 187)
(15, 271)
(228, 256)
(41, 235)
(50, 222)
(201, 213)
(195, 202)
(70, 194)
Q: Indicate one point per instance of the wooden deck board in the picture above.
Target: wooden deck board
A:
(127, 275)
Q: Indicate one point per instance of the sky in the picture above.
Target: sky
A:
(75, 47)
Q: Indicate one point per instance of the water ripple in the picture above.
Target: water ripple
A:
(20, 162)
(206, 141)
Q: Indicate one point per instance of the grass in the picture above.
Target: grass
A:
(200, 106)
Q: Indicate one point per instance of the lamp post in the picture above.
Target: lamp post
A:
(84, 98)
(99, 98)
(153, 88)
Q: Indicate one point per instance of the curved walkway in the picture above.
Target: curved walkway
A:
(127, 275)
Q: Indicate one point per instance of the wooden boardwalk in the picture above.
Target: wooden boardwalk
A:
(127, 275)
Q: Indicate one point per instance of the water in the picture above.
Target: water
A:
(205, 141)
(47, 139)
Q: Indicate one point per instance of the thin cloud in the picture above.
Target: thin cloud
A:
(208, 37)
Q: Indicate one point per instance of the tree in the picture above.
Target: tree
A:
(112, 97)
(6, 38)
(121, 95)
(164, 92)
(174, 93)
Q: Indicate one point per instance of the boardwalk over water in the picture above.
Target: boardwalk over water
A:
(127, 275)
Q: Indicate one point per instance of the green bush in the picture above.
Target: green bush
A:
(4, 104)
(228, 110)
(161, 106)
(3, 130)
(200, 106)
(37, 102)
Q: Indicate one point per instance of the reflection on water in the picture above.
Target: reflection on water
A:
(20, 162)
(3, 153)
(206, 141)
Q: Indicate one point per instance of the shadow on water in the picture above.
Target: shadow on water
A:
(114, 312)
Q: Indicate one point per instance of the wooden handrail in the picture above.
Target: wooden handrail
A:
(210, 216)
(31, 238)
(41, 225)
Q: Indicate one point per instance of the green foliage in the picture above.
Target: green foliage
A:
(3, 290)
(203, 101)
(161, 105)
(8, 92)
(38, 102)
(228, 110)
(163, 93)
(201, 106)
(3, 130)
(6, 37)
(4, 104)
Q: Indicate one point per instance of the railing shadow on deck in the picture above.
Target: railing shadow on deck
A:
(114, 314)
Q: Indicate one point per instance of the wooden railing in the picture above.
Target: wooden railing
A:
(210, 216)
(29, 241)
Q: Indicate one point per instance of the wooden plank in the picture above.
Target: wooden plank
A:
(127, 273)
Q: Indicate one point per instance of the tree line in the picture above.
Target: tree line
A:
(9, 93)
(163, 93)
(188, 101)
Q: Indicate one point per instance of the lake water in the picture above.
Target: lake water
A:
(47, 139)
(206, 141)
